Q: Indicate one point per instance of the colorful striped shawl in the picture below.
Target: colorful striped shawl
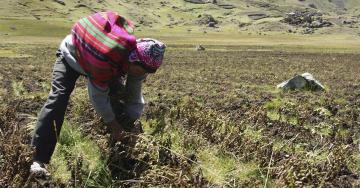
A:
(103, 42)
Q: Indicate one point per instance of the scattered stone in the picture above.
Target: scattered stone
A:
(257, 16)
(227, 6)
(196, 1)
(80, 5)
(36, 16)
(200, 48)
(228, 13)
(60, 2)
(348, 22)
(311, 5)
(163, 3)
(244, 24)
(264, 5)
(13, 28)
(306, 19)
(299, 18)
(305, 81)
(315, 24)
(144, 22)
(212, 24)
(308, 31)
(206, 19)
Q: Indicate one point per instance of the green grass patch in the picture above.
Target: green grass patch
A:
(2, 93)
(316, 156)
(356, 158)
(273, 110)
(323, 111)
(12, 54)
(80, 102)
(273, 115)
(27, 27)
(252, 134)
(280, 145)
(274, 104)
(223, 169)
(78, 159)
(176, 141)
(18, 88)
(1, 160)
(340, 100)
(45, 86)
(322, 128)
(59, 167)
(343, 132)
(153, 126)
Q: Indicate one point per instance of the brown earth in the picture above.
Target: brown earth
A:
(197, 92)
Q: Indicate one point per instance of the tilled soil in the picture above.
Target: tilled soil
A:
(216, 96)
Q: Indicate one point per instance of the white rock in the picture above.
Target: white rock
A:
(304, 81)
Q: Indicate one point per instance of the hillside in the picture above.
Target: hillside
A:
(248, 16)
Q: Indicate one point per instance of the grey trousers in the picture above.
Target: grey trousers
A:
(51, 116)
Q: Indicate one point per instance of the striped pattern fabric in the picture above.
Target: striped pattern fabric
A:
(103, 42)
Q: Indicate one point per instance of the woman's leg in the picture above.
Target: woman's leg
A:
(51, 116)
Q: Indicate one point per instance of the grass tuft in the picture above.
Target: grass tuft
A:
(18, 88)
(79, 160)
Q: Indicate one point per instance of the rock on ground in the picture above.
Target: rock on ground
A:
(304, 81)
(206, 19)
(60, 2)
(196, 1)
(200, 48)
(257, 16)
(306, 19)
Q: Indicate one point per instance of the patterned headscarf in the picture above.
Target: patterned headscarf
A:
(149, 53)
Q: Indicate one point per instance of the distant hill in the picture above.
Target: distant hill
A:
(253, 16)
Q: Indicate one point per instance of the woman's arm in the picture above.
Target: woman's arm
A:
(101, 101)
(134, 100)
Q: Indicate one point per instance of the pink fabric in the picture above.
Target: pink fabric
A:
(103, 42)
(150, 52)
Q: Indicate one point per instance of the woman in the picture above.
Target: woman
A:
(102, 48)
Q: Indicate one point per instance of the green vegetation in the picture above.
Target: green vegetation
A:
(225, 170)
(15, 27)
(78, 160)
(18, 88)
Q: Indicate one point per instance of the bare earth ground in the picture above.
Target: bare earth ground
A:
(213, 118)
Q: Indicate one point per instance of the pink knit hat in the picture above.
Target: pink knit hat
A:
(149, 53)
